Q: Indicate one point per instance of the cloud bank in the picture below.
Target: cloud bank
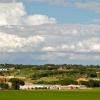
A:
(95, 6)
(15, 14)
(43, 38)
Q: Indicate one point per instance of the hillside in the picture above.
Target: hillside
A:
(51, 74)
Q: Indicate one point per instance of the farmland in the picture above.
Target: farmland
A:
(92, 94)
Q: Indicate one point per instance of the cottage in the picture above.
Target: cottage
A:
(3, 69)
(76, 86)
(30, 86)
(33, 86)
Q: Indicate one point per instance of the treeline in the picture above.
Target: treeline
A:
(48, 66)
(66, 81)
(47, 73)
(91, 83)
(64, 73)
(15, 84)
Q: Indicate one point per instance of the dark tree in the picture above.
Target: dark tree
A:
(4, 86)
(16, 83)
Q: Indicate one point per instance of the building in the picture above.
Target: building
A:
(82, 79)
(3, 69)
(76, 86)
(95, 79)
(29, 86)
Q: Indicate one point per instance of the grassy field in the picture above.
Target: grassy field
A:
(51, 95)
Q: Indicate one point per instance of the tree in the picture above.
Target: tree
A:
(4, 86)
(91, 83)
(16, 83)
(67, 81)
(92, 74)
(84, 83)
(94, 83)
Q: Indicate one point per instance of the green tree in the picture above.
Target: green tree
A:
(16, 83)
(92, 74)
(4, 86)
(91, 83)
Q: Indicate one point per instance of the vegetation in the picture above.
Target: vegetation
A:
(64, 74)
(91, 83)
(3, 86)
(51, 95)
(16, 83)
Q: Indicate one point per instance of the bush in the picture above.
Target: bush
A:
(4, 86)
(16, 83)
(91, 83)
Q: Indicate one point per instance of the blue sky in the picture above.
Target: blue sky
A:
(50, 31)
(64, 14)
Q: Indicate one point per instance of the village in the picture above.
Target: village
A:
(30, 86)
(34, 82)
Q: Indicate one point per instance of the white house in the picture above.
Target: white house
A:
(3, 69)
(76, 86)
(30, 86)
(34, 86)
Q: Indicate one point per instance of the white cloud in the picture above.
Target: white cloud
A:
(71, 37)
(7, 1)
(11, 14)
(85, 45)
(90, 45)
(14, 43)
(85, 57)
(15, 14)
(60, 48)
(95, 6)
(48, 49)
(68, 30)
(39, 20)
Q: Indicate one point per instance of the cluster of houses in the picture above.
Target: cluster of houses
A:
(3, 69)
(29, 86)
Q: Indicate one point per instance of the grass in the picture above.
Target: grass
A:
(51, 95)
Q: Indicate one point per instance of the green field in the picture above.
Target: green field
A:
(50, 95)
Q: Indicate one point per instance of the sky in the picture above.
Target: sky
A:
(50, 31)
